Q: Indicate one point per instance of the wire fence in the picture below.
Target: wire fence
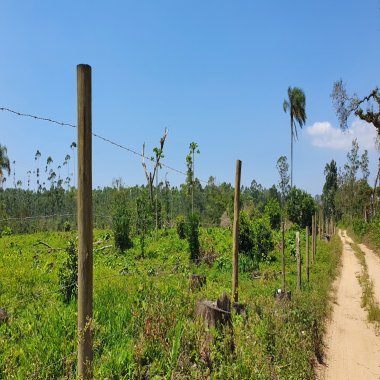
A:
(45, 296)
(107, 140)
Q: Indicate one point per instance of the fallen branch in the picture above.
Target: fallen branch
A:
(102, 248)
(48, 246)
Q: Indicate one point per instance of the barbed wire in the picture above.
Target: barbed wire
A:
(36, 217)
(5, 109)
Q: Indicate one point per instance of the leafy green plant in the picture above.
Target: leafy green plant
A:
(66, 226)
(255, 237)
(193, 237)
(144, 221)
(181, 226)
(68, 273)
(121, 224)
(7, 231)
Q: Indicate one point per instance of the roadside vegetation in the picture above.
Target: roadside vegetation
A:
(144, 309)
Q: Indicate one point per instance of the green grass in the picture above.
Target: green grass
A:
(368, 299)
(144, 312)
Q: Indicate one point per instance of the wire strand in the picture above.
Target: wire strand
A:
(35, 117)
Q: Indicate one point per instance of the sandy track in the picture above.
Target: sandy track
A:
(353, 349)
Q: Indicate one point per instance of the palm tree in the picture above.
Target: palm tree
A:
(296, 103)
(4, 162)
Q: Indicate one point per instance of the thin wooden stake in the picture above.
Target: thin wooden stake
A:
(315, 238)
(298, 254)
(312, 239)
(235, 291)
(283, 256)
(85, 261)
(307, 255)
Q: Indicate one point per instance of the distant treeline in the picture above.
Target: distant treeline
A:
(28, 211)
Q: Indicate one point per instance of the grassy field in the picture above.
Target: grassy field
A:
(144, 325)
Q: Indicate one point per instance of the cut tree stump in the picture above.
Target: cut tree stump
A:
(281, 295)
(215, 313)
(3, 315)
(197, 281)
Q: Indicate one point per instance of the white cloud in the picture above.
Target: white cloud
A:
(324, 135)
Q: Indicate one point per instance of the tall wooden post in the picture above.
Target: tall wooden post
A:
(312, 239)
(298, 254)
(283, 256)
(307, 255)
(235, 291)
(314, 247)
(85, 261)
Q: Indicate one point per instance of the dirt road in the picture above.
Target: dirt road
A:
(353, 349)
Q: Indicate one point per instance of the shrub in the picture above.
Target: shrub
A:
(360, 227)
(273, 211)
(66, 226)
(68, 273)
(7, 231)
(255, 237)
(245, 234)
(121, 225)
(144, 220)
(193, 238)
(262, 238)
(181, 226)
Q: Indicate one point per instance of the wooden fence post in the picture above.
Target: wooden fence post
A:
(283, 256)
(314, 237)
(298, 254)
(307, 254)
(85, 223)
(235, 291)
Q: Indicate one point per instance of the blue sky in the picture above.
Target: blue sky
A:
(214, 72)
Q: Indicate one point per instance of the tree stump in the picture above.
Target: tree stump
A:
(216, 314)
(282, 295)
(197, 281)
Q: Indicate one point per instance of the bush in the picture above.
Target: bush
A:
(181, 226)
(245, 234)
(255, 237)
(273, 211)
(68, 273)
(66, 226)
(193, 238)
(7, 231)
(262, 238)
(121, 225)
(360, 227)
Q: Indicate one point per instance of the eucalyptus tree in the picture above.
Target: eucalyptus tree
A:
(190, 160)
(296, 104)
(49, 161)
(4, 163)
(283, 171)
(36, 158)
(14, 173)
(158, 155)
(73, 146)
(330, 188)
